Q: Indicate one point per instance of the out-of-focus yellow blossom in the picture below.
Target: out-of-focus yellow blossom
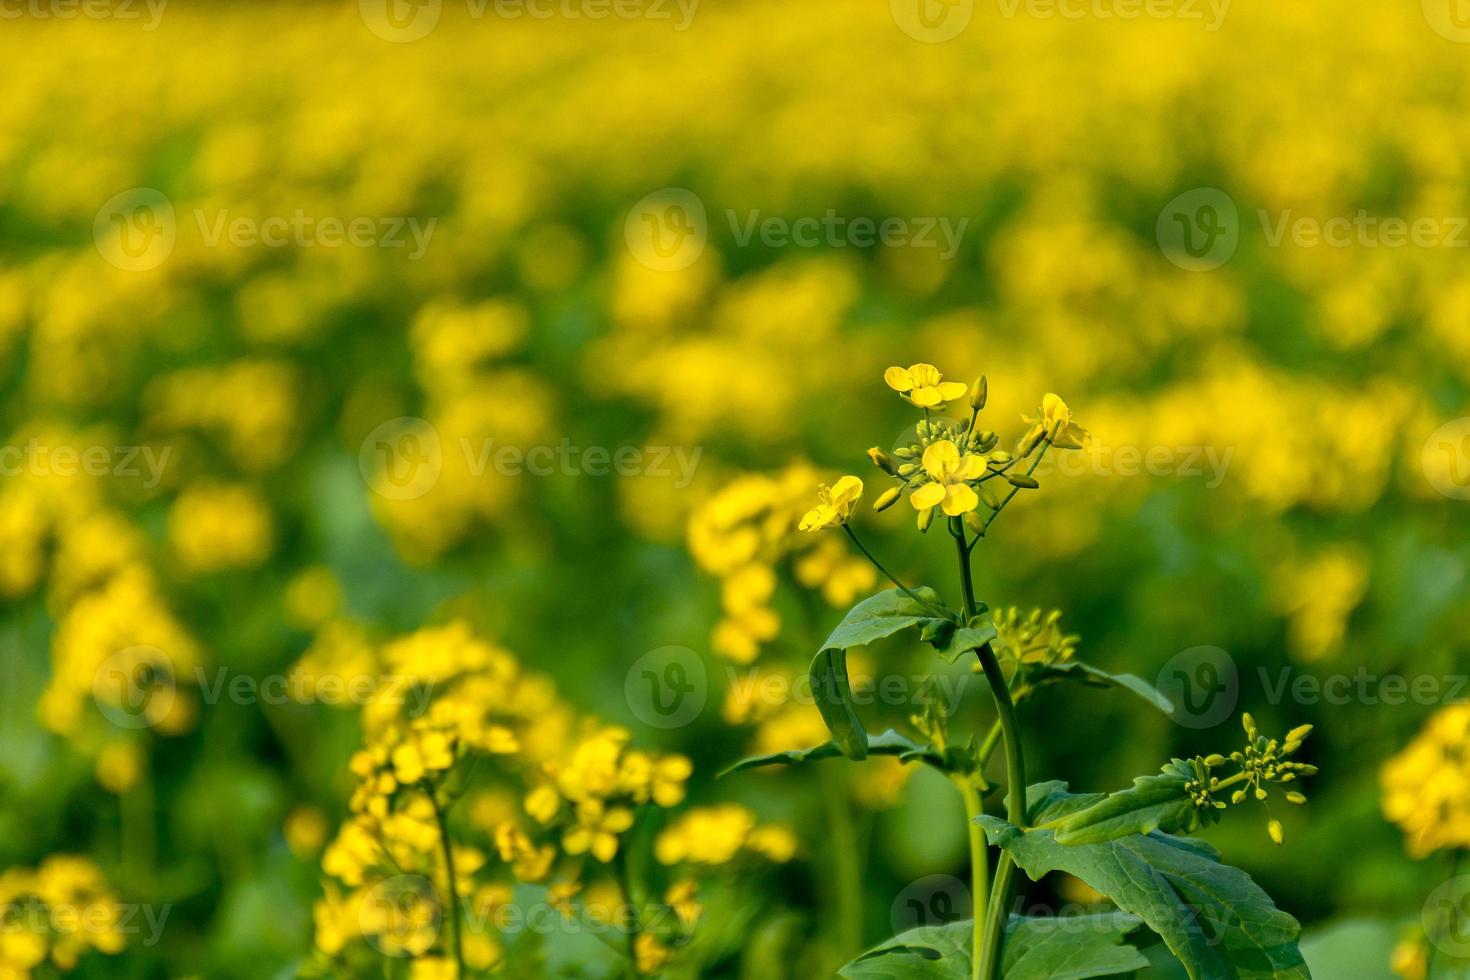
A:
(433, 968)
(834, 504)
(118, 766)
(923, 385)
(683, 897)
(249, 405)
(1426, 787)
(596, 830)
(743, 532)
(650, 954)
(716, 835)
(1410, 959)
(212, 527)
(313, 597)
(1318, 596)
(306, 831)
(950, 474)
(1032, 638)
(56, 913)
(879, 785)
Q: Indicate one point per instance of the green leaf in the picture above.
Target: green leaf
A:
(1036, 948)
(833, 695)
(1213, 917)
(1070, 947)
(888, 743)
(965, 639)
(1088, 674)
(872, 619)
(1155, 802)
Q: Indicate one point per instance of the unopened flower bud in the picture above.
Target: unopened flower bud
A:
(1299, 734)
(906, 452)
(1249, 724)
(908, 469)
(880, 459)
(988, 497)
(1214, 760)
(1295, 797)
(886, 499)
(1277, 834)
(926, 517)
(1030, 440)
(979, 391)
(1238, 796)
(974, 523)
(1022, 481)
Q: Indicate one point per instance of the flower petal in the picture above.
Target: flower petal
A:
(927, 496)
(926, 397)
(940, 459)
(970, 467)
(960, 499)
(898, 379)
(951, 390)
(924, 375)
(1054, 410)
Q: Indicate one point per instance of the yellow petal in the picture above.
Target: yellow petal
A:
(950, 390)
(924, 375)
(1054, 410)
(848, 491)
(941, 458)
(970, 467)
(898, 379)
(926, 397)
(959, 499)
(1072, 436)
(927, 496)
(817, 518)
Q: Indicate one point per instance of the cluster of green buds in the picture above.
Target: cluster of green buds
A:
(1262, 763)
(953, 465)
(1033, 638)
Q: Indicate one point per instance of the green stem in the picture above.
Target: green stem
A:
(442, 819)
(889, 575)
(979, 872)
(1429, 958)
(846, 875)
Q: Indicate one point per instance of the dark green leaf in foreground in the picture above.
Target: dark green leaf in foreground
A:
(1036, 948)
(888, 743)
(1213, 917)
(1157, 802)
(872, 619)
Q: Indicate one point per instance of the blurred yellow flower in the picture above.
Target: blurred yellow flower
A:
(1426, 787)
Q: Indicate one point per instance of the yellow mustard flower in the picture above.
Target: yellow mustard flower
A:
(950, 472)
(1055, 422)
(835, 504)
(1426, 789)
(923, 385)
(596, 830)
(652, 955)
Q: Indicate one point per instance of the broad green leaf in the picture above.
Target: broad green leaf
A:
(965, 639)
(872, 619)
(888, 743)
(1036, 948)
(1155, 802)
(1213, 917)
(833, 695)
(1088, 674)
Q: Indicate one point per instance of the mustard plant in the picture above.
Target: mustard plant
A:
(1130, 846)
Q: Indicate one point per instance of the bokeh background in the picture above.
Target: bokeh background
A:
(1118, 184)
